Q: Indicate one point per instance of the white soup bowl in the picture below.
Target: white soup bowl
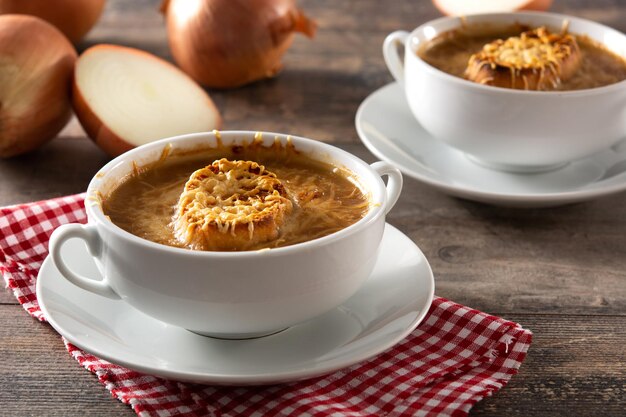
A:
(512, 130)
(230, 294)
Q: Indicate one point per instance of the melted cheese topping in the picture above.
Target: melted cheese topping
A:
(534, 60)
(226, 196)
(533, 49)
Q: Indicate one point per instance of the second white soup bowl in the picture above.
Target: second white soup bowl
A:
(508, 129)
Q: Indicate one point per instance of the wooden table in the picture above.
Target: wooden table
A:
(560, 272)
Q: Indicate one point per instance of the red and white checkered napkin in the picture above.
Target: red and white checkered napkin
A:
(456, 356)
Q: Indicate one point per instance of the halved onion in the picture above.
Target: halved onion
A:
(125, 97)
(36, 62)
(467, 7)
(72, 17)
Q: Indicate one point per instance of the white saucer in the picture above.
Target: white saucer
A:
(390, 305)
(388, 129)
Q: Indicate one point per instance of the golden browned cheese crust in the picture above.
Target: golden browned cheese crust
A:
(230, 205)
(535, 60)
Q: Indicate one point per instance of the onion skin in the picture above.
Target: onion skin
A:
(103, 136)
(72, 17)
(539, 5)
(36, 64)
(229, 43)
(533, 5)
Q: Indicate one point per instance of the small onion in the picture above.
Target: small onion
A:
(229, 43)
(36, 63)
(73, 17)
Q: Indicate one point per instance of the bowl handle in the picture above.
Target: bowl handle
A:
(394, 182)
(393, 59)
(89, 234)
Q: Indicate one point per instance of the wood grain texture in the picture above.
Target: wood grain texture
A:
(39, 377)
(560, 272)
(573, 377)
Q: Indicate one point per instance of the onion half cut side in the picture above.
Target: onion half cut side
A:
(467, 7)
(125, 97)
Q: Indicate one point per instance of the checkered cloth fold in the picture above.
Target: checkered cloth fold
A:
(456, 357)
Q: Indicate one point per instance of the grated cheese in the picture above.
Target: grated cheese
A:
(534, 60)
(228, 194)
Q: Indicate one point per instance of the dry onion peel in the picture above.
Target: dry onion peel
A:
(229, 43)
(467, 7)
(72, 17)
(36, 62)
(125, 97)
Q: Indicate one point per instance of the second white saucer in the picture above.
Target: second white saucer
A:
(389, 130)
(388, 307)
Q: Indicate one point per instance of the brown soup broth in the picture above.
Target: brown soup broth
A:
(325, 199)
(451, 51)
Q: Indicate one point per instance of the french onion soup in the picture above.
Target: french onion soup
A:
(236, 198)
(524, 58)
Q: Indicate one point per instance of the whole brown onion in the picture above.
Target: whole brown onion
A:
(229, 43)
(35, 73)
(72, 17)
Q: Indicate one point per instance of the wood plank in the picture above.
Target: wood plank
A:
(40, 378)
(565, 259)
(569, 259)
(574, 362)
(6, 297)
(559, 271)
(324, 80)
(61, 167)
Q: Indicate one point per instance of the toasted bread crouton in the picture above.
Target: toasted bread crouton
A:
(535, 60)
(230, 205)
